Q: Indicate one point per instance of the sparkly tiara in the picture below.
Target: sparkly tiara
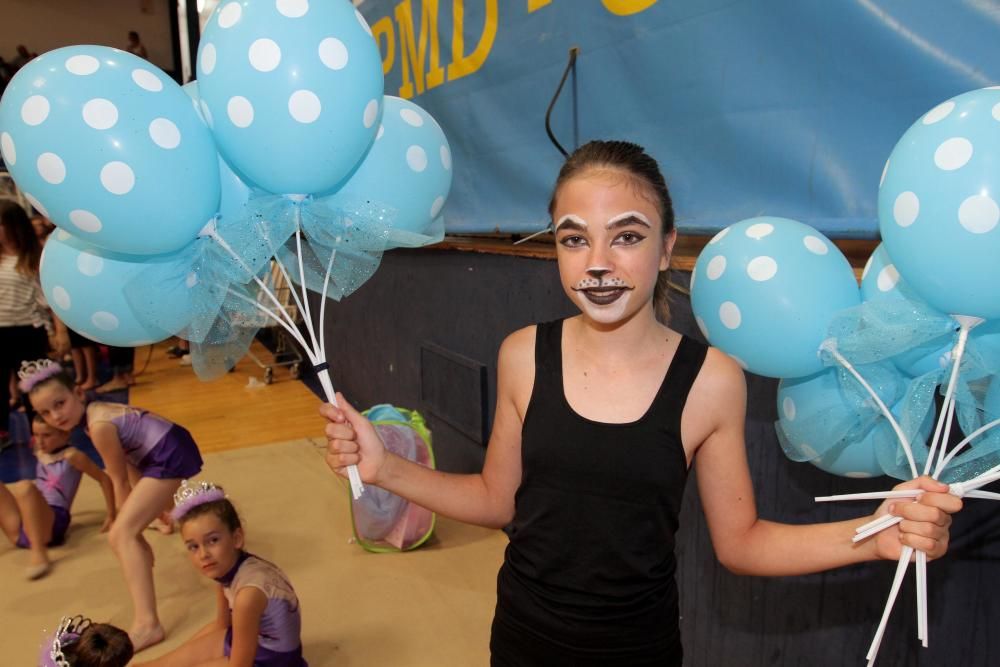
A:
(69, 630)
(191, 495)
(33, 372)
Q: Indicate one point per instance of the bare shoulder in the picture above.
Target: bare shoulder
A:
(720, 388)
(516, 368)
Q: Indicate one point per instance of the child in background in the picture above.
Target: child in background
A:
(78, 642)
(158, 453)
(257, 621)
(57, 478)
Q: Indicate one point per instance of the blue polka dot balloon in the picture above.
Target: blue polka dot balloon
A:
(110, 148)
(881, 281)
(84, 287)
(407, 170)
(764, 290)
(939, 205)
(292, 90)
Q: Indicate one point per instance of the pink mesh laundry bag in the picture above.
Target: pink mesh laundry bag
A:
(383, 521)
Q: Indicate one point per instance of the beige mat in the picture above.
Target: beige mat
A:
(429, 607)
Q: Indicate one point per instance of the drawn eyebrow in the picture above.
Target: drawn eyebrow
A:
(628, 218)
(571, 221)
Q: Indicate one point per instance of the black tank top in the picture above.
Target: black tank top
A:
(589, 569)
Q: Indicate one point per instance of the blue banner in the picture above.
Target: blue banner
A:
(776, 107)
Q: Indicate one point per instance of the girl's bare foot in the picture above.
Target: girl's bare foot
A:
(37, 570)
(144, 637)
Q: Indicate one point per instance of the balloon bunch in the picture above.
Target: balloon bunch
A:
(175, 203)
(861, 368)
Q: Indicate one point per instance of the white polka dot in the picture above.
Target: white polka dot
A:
(715, 267)
(979, 214)
(8, 149)
(857, 475)
(411, 117)
(240, 111)
(61, 297)
(37, 205)
(63, 235)
(265, 55)
(906, 208)
(117, 178)
(718, 237)
(35, 110)
(207, 60)
(730, 315)
(147, 80)
(85, 220)
(815, 245)
(89, 264)
(104, 320)
(191, 280)
(446, 157)
(207, 113)
(381, 131)
(416, 158)
(953, 153)
(762, 268)
(82, 65)
(164, 133)
(885, 170)
(51, 168)
(759, 230)
(940, 112)
(304, 105)
(230, 14)
(100, 114)
(808, 451)
(371, 112)
(701, 327)
(437, 206)
(363, 22)
(888, 278)
(788, 407)
(996, 111)
(293, 9)
(333, 53)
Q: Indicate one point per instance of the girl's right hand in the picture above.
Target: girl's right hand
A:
(352, 440)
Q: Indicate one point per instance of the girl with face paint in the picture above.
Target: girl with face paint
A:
(598, 419)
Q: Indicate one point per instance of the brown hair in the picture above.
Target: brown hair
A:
(634, 162)
(222, 508)
(100, 645)
(18, 231)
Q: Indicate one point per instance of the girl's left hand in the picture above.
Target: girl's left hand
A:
(926, 520)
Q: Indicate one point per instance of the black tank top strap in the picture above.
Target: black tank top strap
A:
(669, 403)
(548, 354)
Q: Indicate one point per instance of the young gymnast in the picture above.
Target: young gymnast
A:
(257, 619)
(58, 471)
(78, 642)
(597, 422)
(146, 458)
(22, 506)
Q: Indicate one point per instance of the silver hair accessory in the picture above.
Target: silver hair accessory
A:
(33, 372)
(69, 630)
(190, 495)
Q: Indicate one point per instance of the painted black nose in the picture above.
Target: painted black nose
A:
(597, 273)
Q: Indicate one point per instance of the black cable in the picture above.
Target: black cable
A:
(548, 114)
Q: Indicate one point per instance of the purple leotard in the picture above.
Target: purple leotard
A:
(279, 642)
(155, 446)
(58, 482)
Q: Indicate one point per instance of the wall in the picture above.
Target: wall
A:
(466, 303)
(43, 25)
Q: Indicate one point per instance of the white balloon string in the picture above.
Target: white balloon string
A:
(279, 320)
(904, 562)
(947, 410)
(322, 303)
(944, 464)
(903, 442)
(302, 277)
(295, 296)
